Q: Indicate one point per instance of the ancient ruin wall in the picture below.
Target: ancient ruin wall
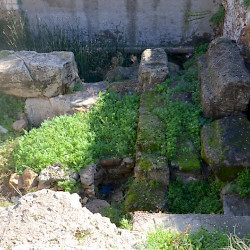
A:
(139, 22)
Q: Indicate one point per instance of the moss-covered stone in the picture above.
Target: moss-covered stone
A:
(145, 196)
(226, 146)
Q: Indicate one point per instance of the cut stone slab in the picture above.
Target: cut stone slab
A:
(32, 74)
(153, 69)
(180, 222)
(146, 196)
(225, 81)
(226, 146)
(40, 109)
(150, 164)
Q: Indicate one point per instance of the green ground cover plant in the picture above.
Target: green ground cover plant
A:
(246, 3)
(161, 238)
(194, 197)
(107, 130)
(242, 184)
(183, 120)
(10, 106)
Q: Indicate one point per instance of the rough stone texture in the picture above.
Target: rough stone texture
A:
(32, 74)
(29, 179)
(234, 205)
(226, 146)
(122, 73)
(146, 196)
(40, 109)
(14, 179)
(51, 175)
(237, 22)
(21, 124)
(87, 176)
(132, 22)
(96, 206)
(153, 69)
(225, 81)
(150, 164)
(56, 219)
(181, 222)
(173, 68)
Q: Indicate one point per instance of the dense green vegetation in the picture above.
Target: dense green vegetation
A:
(242, 184)
(195, 197)
(10, 106)
(162, 238)
(183, 119)
(246, 3)
(107, 130)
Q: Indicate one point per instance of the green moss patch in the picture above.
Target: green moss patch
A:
(145, 196)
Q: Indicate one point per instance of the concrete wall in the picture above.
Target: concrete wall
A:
(138, 22)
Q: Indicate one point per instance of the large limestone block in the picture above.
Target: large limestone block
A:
(32, 74)
(153, 69)
(42, 108)
(225, 81)
(226, 146)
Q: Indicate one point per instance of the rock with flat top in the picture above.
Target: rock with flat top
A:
(32, 74)
(153, 69)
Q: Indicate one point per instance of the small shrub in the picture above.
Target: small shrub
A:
(246, 3)
(118, 215)
(194, 197)
(162, 238)
(242, 186)
(107, 130)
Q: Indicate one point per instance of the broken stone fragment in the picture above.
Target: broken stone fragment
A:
(30, 179)
(51, 175)
(225, 81)
(226, 146)
(21, 124)
(97, 206)
(32, 74)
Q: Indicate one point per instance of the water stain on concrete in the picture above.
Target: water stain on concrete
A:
(131, 7)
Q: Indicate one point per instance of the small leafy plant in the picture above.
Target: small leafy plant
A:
(194, 197)
(242, 184)
(162, 238)
(107, 130)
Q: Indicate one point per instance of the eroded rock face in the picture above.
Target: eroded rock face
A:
(49, 218)
(153, 69)
(42, 108)
(32, 74)
(226, 146)
(225, 81)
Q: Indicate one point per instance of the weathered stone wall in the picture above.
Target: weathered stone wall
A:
(237, 22)
(139, 22)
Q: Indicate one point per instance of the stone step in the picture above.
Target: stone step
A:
(239, 225)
